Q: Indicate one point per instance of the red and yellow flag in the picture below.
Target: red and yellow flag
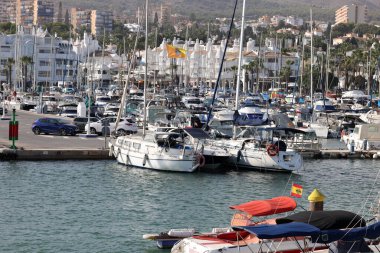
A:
(175, 52)
(296, 191)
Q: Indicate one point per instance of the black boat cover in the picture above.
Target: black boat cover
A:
(324, 220)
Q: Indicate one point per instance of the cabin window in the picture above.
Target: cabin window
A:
(127, 144)
(226, 122)
(136, 145)
(373, 129)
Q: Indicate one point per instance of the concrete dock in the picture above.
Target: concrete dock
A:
(48, 147)
(7, 154)
(33, 147)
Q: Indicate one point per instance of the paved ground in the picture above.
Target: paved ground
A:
(28, 140)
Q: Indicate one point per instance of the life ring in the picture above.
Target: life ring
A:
(201, 160)
(272, 150)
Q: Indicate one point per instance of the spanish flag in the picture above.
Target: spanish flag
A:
(175, 52)
(296, 191)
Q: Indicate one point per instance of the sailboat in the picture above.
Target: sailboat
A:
(158, 150)
(259, 152)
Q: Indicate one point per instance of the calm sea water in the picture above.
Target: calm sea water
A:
(101, 206)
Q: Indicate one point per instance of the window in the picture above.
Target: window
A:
(43, 73)
(373, 129)
(44, 51)
(44, 63)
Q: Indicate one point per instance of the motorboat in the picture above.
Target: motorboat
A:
(222, 123)
(307, 231)
(246, 213)
(251, 116)
(364, 137)
(371, 116)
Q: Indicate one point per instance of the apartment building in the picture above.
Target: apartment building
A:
(80, 18)
(28, 13)
(101, 21)
(8, 11)
(351, 14)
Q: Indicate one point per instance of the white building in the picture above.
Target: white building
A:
(56, 60)
(202, 62)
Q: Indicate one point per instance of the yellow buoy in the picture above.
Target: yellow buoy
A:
(316, 196)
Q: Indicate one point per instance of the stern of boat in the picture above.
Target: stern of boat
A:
(290, 160)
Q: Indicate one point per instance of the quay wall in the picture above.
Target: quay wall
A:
(54, 154)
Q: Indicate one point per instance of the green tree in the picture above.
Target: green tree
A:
(285, 72)
(362, 29)
(25, 62)
(8, 28)
(61, 29)
(9, 66)
(155, 21)
(342, 29)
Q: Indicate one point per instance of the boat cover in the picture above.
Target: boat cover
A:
(197, 133)
(267, 207)
(353, 234)
(283, 230)
(317, 235)
(336, 219)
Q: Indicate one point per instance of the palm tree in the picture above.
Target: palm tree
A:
(25, 61)
(9, 65)
(234, 70)
(285, 72)
(253, 67)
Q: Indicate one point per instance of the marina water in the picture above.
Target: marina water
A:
(101, 206)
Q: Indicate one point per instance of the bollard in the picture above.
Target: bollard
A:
(316, 199)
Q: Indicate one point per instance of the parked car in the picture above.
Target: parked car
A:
(54, 126)
(69, 112)
(125, 126)
(1, 111)
(81, 122)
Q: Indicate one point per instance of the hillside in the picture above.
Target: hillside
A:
(206, 9)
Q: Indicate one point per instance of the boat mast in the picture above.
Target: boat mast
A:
(311, 57)
(146, 64)
(239, 65)
(303, 66)
(221, 67)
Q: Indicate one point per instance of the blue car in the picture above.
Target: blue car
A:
(54, 126)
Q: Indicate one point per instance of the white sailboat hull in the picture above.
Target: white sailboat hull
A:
(152, 157)
(251, 156)
(286, 161)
